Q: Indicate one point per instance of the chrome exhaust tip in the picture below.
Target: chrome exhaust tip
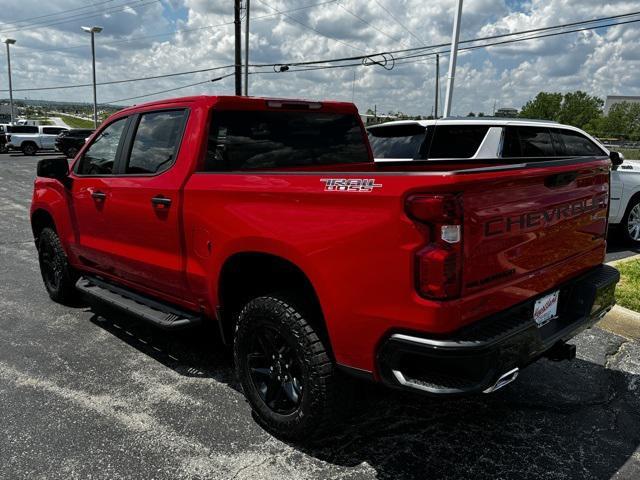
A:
(505, 379)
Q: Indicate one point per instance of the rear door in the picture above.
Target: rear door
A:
(48, 136)
(144, 215)
(516, 226)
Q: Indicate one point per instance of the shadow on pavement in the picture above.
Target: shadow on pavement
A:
(571, 420)
(616, 245)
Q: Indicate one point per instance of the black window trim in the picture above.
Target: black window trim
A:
(125, 131)
(122, 161)
(559, 130)
(559, 148)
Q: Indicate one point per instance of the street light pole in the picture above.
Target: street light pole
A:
(246, 51)
(93, 31)
(10, 41)
(455, 37)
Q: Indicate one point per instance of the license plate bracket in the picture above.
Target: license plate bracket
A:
(545, 308)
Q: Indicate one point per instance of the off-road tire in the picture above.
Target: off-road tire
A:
(58, 276)
(317, 406)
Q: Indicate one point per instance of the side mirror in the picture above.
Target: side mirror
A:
(56, 168)
(616, 158)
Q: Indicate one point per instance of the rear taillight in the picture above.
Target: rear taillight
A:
(438, 264)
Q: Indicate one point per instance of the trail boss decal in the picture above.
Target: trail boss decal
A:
(350, 184)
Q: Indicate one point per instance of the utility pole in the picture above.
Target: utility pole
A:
(10, 41)
(437, 84)
(238, 63)
(453, 56)
(246, 51)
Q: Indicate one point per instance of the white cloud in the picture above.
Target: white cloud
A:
(600, 62)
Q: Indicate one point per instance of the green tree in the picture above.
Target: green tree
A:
(546, 106)
(579, 108)
(623, 121)
(471, 114)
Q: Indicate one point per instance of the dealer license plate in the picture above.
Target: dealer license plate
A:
(546, 308)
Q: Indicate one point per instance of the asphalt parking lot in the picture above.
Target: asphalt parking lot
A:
(96, 394)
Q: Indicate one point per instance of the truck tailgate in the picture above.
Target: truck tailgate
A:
(516, 226)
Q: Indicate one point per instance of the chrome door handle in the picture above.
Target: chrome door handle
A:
(160, 201)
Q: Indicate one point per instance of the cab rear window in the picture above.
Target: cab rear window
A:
(254, 140)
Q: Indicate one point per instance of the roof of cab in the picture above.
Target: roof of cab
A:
(241, 102)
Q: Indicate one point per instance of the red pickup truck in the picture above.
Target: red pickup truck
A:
(270, 218)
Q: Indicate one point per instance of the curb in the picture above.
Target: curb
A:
(624, 260)
(623, 322)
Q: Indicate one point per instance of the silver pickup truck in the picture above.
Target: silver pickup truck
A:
(29, 139)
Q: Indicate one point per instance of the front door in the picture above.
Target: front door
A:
(145, 205)
(91, 191)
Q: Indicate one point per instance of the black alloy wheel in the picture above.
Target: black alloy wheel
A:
(275, 370)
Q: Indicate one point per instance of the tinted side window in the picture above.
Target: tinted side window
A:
(577, 144)
(457, 141)
(100, 157)
(156, 142)
(22, 129)
(397, 141)
(52, 130)
(528, 142)
(251, 140)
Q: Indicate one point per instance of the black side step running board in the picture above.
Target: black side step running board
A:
(158, 313)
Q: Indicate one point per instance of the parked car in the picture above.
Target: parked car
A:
(71, 141)
(493, 138)
(270, 219)
(625, 201)
(29, 138)
(3, 139)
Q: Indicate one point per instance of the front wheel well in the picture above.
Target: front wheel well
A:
(245, 276)
(41, 219)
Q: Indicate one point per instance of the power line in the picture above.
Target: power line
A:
(367, 23)
(473, 40)
(13, 22)
(128, 80)
(170, 89)
(399, 22)
(83, 16)
(310, 27)
(319, 64)
(181, 30)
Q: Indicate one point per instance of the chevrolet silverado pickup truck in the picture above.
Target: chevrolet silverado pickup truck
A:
(270, 219)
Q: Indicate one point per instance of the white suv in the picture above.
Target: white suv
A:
(479, 139)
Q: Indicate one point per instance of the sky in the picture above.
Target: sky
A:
(152, 37)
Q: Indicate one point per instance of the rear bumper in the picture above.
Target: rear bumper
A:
(475, 358)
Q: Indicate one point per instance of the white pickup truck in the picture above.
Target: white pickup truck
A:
(29, 138)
